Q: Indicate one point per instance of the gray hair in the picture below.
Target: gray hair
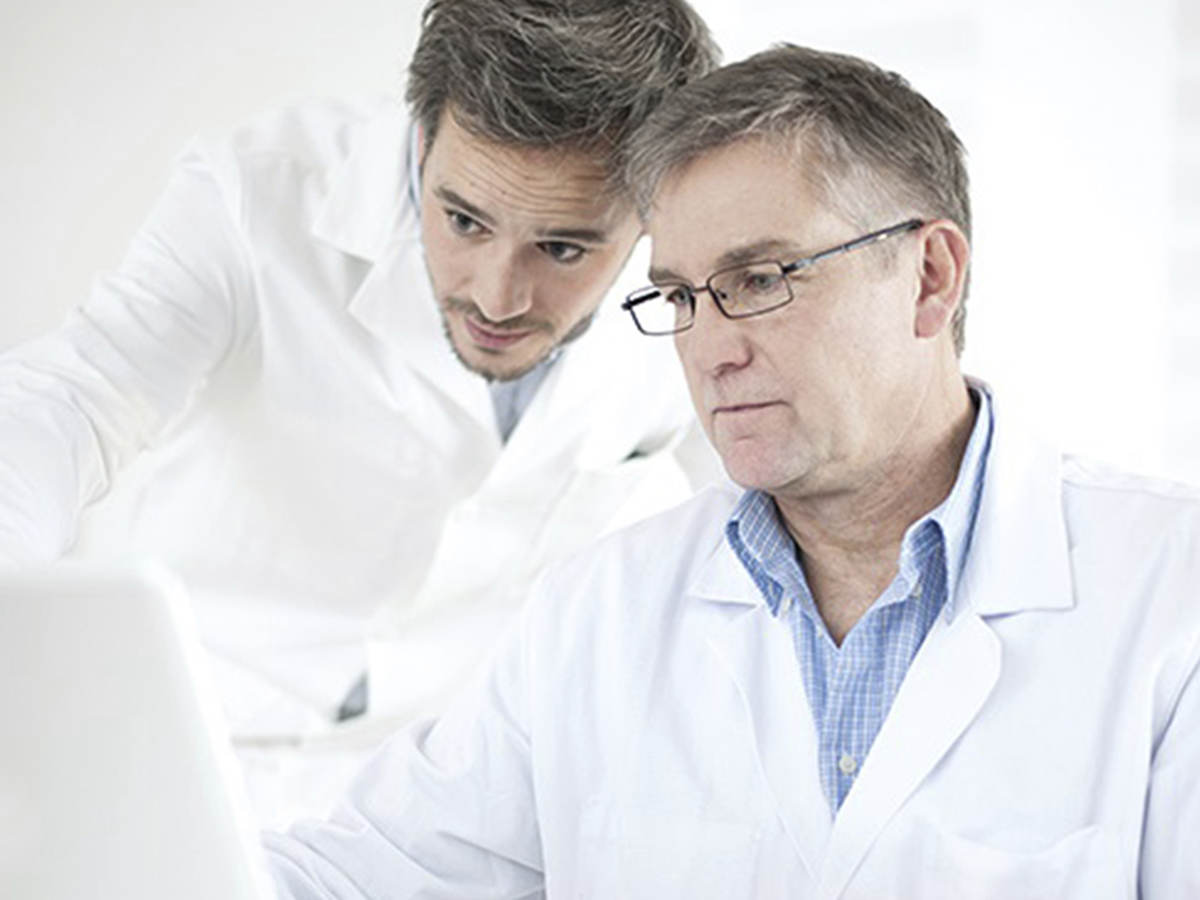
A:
(876, 141)
(580, 74)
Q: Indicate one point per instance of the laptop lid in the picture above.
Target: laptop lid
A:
(116, 777)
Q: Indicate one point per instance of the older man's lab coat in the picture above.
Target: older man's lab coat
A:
(262, 396)
(645, 732)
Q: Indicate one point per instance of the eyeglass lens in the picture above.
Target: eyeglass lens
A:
(742, 291)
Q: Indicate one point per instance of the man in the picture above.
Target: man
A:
(921, 656)
(266, 394)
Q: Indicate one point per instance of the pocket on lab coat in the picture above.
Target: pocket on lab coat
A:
(1085, 864)
(631, 853)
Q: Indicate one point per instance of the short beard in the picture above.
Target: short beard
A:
(454, 304)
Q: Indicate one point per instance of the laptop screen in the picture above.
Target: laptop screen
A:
(116, 778)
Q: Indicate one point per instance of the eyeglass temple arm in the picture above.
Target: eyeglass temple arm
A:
(872, 238)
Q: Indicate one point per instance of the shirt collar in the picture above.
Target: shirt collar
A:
(760, 540)
(955, 516)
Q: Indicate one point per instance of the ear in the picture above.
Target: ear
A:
(945, 256)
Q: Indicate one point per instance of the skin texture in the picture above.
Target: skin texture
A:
(847, 405)
(521, 245)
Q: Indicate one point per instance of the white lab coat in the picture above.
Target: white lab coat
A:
(645, 732)
(263, 398)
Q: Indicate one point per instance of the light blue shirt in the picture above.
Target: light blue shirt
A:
(851, 688)
(510, 399)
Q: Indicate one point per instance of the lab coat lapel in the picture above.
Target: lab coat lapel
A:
(395, 303)
(566, 412)
(756, 652)
(949, 681)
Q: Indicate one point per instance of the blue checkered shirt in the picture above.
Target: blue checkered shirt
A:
(851, 688)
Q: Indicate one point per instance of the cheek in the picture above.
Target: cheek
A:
(691, 375)
(568, 293)
(446, 259)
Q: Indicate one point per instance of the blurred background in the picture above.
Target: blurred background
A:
(1081, 119)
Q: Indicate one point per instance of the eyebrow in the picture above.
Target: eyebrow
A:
(582, 235)
(444, 193)
(756, 251)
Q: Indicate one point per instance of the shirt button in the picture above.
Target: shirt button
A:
(848, 764)
(785, 604)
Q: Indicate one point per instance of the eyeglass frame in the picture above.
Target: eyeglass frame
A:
(643, 295)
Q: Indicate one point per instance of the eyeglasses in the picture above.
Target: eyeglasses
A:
(740, 291)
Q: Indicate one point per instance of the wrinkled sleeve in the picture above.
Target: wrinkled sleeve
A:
(446, 809)
(1170, 865)
(80, 402)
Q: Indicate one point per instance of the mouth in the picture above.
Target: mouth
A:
(736, 409)
(494, 338)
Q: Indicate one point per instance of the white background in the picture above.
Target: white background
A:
(1081, 119)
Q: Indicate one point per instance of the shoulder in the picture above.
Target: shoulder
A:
(307, 143)
(1100, 499)
(665, 545)
(313, 131)
(639, 573)
(1134, 546)
(334, 165)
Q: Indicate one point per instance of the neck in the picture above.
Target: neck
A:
(849, 539)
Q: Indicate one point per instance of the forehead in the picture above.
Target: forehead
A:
(744, 195)
(533, 184)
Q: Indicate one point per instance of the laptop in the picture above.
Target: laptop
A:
(116, 775)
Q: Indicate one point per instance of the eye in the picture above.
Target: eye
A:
(461, 223)
(677, 295)
(562, 251)
(761, 281)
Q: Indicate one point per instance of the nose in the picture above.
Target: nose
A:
(715, 344)
(500, 289)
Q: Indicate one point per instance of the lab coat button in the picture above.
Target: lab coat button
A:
(848, 764)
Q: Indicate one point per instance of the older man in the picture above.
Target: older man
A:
(923, 655)
(342, 383)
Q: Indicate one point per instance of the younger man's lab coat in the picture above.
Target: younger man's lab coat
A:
(645, 732)
(262, 396)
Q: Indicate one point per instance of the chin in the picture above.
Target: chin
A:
(748, 475)
(754, 472)
(499, 366)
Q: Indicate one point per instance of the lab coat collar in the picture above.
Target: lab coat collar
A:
(1020, 555)
(395, 302)
(369, 195)
(721, 577)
